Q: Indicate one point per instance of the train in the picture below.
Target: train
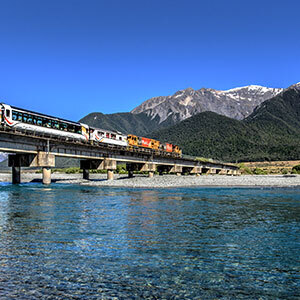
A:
(25, 120)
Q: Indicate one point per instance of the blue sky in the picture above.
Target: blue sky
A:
(69, 57)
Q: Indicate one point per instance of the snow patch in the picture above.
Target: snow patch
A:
(186, 101)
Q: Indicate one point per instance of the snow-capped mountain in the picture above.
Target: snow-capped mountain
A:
(235, 103)
(295, 86)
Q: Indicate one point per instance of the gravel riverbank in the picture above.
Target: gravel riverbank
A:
(166, 180)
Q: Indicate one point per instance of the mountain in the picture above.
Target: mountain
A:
(139, 124)
(271, 132)
(161, 112)
(236, 103)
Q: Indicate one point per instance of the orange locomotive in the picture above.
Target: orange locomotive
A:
(136, 141)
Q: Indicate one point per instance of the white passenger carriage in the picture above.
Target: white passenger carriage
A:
(42, 124)
(108, 137)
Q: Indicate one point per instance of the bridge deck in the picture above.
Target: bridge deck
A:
(27, 142)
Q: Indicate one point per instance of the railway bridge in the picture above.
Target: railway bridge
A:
(29, 149)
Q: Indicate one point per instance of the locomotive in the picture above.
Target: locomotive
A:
(21, 119)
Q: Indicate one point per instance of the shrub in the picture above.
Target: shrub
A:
(72, 170)
(121, 169)
(98, 171)
(245, 170)
(296, 169)
(258, 171)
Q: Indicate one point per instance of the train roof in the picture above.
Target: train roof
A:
(44, 115)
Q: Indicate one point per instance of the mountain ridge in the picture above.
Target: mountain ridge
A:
(141, 121)
(236, 103)
(271, 132)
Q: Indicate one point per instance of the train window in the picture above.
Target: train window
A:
(27, 118)
(71, 128)
(63, 126)
(39, 122)
(120, 138)
(107, 135)
(78, 129)
(20, 117)
(47, 123)
(55, 124)
(8, 113)
(15, 116)
(113, 136)
(101, 133)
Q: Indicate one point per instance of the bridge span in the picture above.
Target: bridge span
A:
(30, 149)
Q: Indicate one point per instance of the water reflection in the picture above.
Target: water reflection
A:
(83, 242)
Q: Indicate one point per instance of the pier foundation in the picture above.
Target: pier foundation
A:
(86, 174)
(110, 175)
(41, 159)
(16, 175)
(46, 175)
(130, 174)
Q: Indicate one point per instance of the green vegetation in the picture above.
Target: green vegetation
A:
(258, 171)
(296, 169)
(245, 170)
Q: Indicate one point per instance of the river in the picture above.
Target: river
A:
(75, 242)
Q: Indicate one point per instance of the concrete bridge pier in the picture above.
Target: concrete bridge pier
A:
(98, 164)
(110, 175)
(175, 169)
(46, 175)
(85, 166)
(213, 171)
(41, 159)
(15, 162)
(187, 170)
(218, 171)
(229, 172)
(16, 175)
(205, 170)
(130, 167)
(130, 174)
(86, 174)
(196, 170)
(142, 167)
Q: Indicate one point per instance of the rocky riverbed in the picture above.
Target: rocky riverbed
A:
(166, 181)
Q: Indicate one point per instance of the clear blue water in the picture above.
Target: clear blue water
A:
(73, 242)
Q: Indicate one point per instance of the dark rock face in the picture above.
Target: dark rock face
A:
(236, 103)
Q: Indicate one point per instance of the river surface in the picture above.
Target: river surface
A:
(74, 242)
